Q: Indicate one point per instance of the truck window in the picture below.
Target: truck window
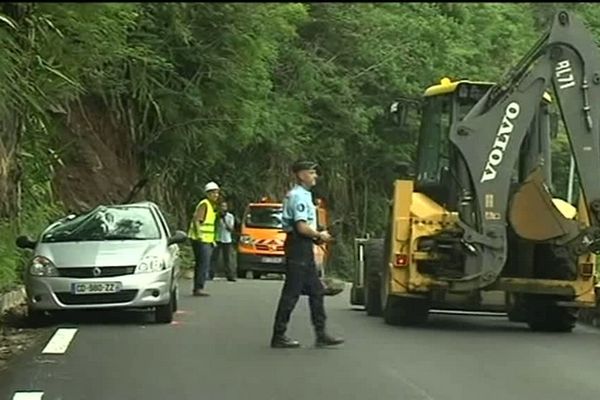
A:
(263, 217)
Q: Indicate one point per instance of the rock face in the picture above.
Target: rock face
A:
(99, 164)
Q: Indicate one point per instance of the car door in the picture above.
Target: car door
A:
(173, 250)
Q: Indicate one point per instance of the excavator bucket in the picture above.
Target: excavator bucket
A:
(535, 215)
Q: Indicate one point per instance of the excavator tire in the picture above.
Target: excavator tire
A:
(515, 307)
(543, 315)
(373, 266)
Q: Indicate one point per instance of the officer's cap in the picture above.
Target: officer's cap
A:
(302, 165)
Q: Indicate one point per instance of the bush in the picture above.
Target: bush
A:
(13, 258)
(10, 258)
(341, 264)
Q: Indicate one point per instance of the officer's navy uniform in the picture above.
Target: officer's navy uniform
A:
(301, 272)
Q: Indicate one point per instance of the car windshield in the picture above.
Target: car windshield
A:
(107, 223)
(264, 217)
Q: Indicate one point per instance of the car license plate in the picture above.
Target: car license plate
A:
(272, 260)
(96, 287)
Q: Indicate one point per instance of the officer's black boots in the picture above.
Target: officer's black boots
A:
(284, 342)
(324, 340)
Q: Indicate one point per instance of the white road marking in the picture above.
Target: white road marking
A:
(60, 341)
(28, 396)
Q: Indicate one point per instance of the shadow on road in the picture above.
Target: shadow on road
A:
(441, 321)
(104, 317)
(87, 317)
(473, 323)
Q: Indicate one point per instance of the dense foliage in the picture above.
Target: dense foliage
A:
(233, 92)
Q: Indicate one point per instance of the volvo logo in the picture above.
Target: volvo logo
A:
(502, 138)
(96, 271)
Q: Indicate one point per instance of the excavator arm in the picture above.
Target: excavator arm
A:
(490, 137)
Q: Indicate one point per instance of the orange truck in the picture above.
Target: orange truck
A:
(260, 247)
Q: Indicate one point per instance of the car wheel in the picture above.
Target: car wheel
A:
(164, 313)
(256, 274)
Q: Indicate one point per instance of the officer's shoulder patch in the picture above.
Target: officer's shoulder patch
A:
(300, 207)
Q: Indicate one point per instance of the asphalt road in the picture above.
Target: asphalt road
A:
(217, 349)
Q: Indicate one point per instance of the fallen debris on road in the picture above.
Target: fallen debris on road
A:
(15, 335)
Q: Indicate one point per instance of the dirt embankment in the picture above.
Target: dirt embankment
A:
(98, 158)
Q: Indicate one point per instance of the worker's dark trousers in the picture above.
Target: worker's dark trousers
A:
(224, 249)
(300, 278)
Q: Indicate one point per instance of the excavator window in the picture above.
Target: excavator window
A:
(435, 155)
(434, 126)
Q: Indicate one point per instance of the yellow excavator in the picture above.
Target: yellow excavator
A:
(478, 215)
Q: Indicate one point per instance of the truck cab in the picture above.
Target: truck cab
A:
(260, 248)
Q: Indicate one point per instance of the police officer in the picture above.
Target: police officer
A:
(299, 222)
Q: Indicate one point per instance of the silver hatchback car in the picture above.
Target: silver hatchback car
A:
(118, 256)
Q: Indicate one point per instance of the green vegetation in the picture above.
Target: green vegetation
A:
(192, 92)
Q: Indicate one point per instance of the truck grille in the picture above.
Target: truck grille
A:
(264, 247)
(88, 272)
(124, 296)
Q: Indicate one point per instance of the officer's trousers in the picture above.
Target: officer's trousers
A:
(300, 278)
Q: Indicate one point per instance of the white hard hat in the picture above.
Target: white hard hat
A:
(211, 186)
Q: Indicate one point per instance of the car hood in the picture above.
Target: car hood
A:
(112, 253)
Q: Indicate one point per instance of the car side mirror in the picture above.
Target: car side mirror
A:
(23, 242)
(177, 238)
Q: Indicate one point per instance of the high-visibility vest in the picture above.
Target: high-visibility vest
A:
(204, 232)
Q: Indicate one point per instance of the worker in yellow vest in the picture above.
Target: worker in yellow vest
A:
(202, 236)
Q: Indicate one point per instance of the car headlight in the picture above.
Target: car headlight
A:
(150, 264)
(246, 240)
(41, 266)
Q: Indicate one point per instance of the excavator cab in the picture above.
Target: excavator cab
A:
(443, 105)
